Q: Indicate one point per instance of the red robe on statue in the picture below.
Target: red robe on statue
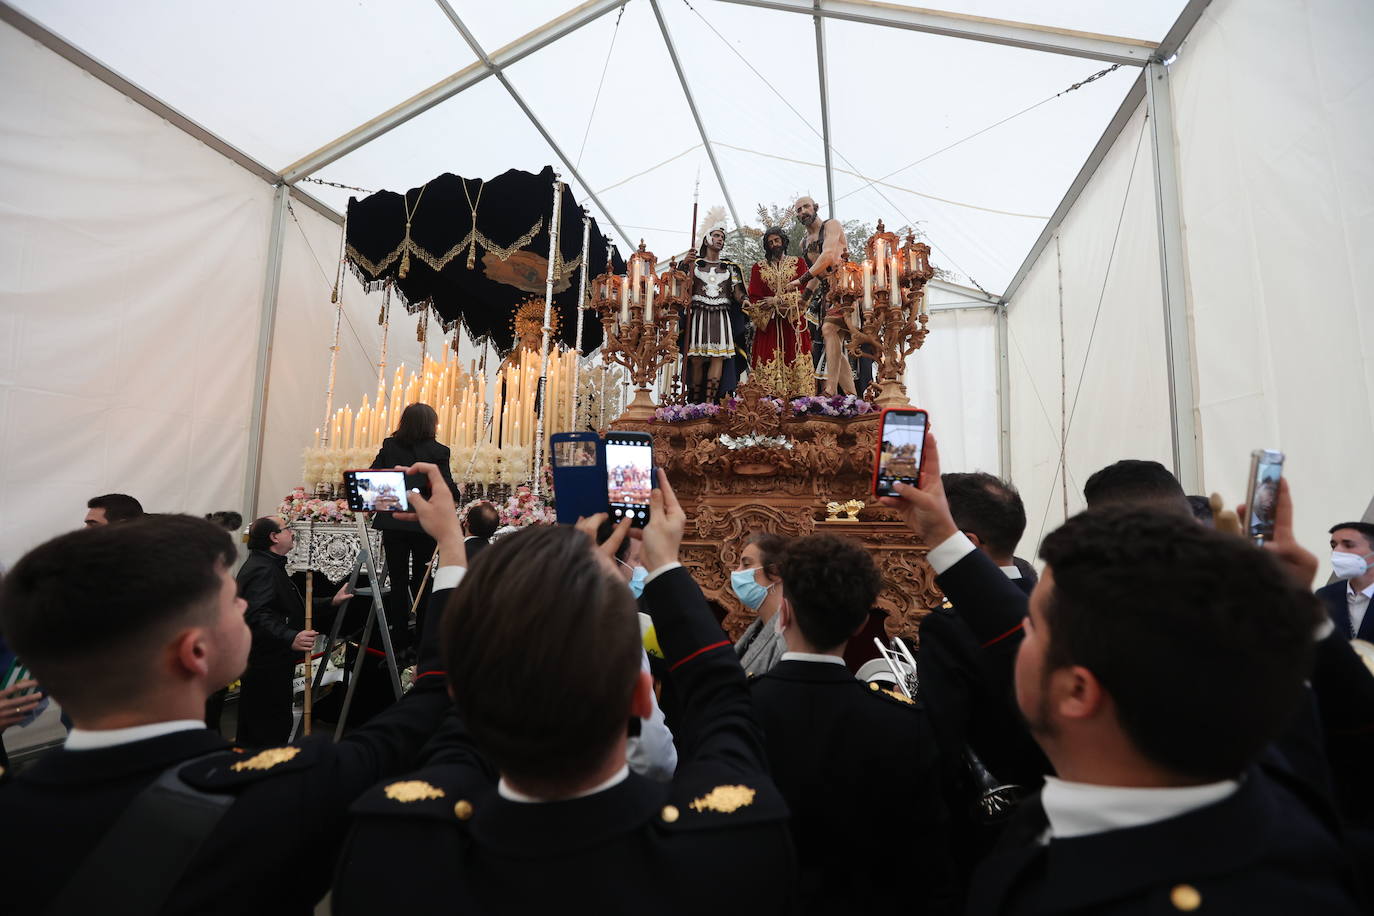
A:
(781, 356)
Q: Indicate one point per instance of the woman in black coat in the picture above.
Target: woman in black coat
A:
(406, 546)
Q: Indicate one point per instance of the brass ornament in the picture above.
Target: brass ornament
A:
(1185, 897)
(849, 509)
(670, 814)
(899, 696)
(725, 799)
(462, 809)
(266, 760)
(412, 790)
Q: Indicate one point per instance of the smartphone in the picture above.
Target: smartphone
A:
(1262, 497)
(383, 491)
(629, 475)
(579, 476)
(901, 446)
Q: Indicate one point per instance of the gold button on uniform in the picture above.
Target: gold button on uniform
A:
(873, 686)
(462, 809)
(1185, 897)
(669, 814)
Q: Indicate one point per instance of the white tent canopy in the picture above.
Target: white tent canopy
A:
(1165, 274)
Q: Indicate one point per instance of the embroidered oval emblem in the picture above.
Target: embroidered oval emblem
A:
(725, 799)
(265, 760)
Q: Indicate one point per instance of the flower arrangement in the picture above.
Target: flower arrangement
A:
(679, 413)
(838, 405)
(298, 506)
(733, 403)
(735, 443)
(522, 509)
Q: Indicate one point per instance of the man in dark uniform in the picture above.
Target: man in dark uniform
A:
(276, 618)
(1160, 666)
(856, 763)
(545, 672)
(145, 810)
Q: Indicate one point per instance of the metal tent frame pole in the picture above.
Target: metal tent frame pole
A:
(267, 323)
(822, 73)
(1178, 344)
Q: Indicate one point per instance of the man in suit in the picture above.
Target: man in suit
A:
(130, 628)
(990, 512)
(112, 509)
(545, 672)
(480, 523)
(1159, 661)
(276, 618)
(856, 763)
(1352, 561)
(1134, 482)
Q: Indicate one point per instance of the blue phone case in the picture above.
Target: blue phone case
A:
(578, 490)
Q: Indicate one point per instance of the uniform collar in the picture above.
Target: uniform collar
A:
(510, 793)
(562, 827)
(1078, 809)
(81, 739)
(812, 657)
(63, 767)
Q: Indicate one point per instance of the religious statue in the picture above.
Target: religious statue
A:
(715, 319)
(528, 324)
(824, 247)
(781, 356)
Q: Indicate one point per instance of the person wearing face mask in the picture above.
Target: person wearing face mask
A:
(1352, 561)
(758, 585)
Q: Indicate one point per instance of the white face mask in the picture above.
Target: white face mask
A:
(1348, 565)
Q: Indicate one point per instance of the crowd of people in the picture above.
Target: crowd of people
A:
(1167, 718)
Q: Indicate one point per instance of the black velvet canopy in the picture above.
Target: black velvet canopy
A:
(475, 250)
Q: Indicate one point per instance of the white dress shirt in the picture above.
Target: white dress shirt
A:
(1078, 809)
(80, 739)
(811, 657)
(510, 793)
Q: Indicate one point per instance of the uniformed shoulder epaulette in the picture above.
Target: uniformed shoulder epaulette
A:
(435, 793)
(719, 797)
(241, 766)
(895, 697)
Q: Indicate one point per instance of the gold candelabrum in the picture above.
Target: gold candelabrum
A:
(639, 312)
(889, 289)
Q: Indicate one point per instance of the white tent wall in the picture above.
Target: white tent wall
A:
(1276, 161)
(954, 377)
(131, 270)
(1086, 340)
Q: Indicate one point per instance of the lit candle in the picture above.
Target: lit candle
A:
(896, 279)
(636, 268)
(649, 298)
(868, 286)
(624, 302)
(317, 437)
(347, 426)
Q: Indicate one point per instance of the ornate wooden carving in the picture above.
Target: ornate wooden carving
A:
(730, 493)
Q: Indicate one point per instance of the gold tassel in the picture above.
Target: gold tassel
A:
(334, 296)
(381, 315)
(472, 253)
(405, 264)
(420, 330)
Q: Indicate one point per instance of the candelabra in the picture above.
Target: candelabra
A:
(889, 287)
(639, 312)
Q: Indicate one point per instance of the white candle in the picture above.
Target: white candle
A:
(868, 286)
(624, 302)
(635, 279)
(896, 282)
(649, 298)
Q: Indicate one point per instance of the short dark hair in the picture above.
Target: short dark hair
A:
(1134, 482)
(1202, 508)
(261, 531)
(989, 507)
(832, 583)
(1198, 636)
(119, 507)
(227, 519)
(483, 520)
(87, 610)
(771, 547)
(543, 651)
(418, 423)
(1364, 528)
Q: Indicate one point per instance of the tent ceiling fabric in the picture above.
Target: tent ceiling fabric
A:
(281, 81)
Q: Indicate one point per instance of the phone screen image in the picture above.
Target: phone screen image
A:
(377, 491)
(1266, 467)
(575, 454)
(629, 476)
(902, 438)
(579, 480)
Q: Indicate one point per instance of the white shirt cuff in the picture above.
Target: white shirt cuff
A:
(949, 551)
(666, 567)
(1324, 629)
(448, 577)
